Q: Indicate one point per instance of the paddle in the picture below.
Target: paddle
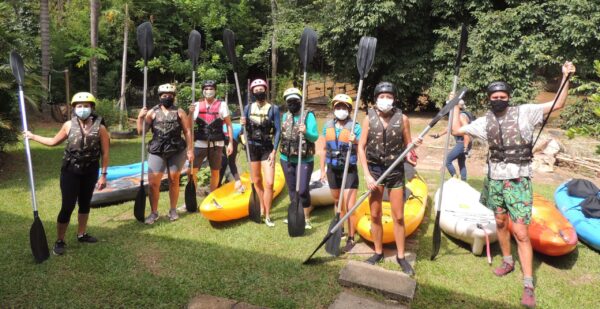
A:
(306, 51)
(146, 47)
(37, 235)
(462, 46)
(364, 60)
(449, 106)
(194, 48)
(229, 44)
(560, 89)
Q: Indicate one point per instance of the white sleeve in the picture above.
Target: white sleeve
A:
(534, 113)
(224, 110)
(196, 110)
(477, 128)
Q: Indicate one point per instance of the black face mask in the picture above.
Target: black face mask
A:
(498, 106)
(167, 102)
(293, 106)
(260, 96)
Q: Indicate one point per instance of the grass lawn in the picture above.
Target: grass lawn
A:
(167, 264)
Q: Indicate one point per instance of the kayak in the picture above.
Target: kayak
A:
(550, 232)
(414, 211)
(320, 194)
(122, 190)
(463, 217)
(588, 229)
(120, 171)
(226, 204)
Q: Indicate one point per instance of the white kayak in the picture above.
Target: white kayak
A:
(320, 195)
(464, 217)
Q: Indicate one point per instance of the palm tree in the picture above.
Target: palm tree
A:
(94, 17)
(45, 37)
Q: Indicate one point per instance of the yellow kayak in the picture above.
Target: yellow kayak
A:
(414, 211)
(225, 203)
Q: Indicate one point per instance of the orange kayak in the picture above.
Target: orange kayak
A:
(550, 232)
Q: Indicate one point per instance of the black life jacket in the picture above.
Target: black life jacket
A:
(260, 132)
(290, 138)
(166, 133)
(385, 145)
(209, 126)
(83, 151)
(506, 144)
(337, 145)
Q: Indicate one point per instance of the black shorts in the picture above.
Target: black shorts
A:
(334, 177)
(394, 180)
(260, 152)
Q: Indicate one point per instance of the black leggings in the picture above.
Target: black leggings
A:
(229, 161)
(76, 188)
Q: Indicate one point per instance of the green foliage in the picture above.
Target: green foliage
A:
(583, 116)
(108, 109)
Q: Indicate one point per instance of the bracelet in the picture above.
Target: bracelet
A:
(105, 173)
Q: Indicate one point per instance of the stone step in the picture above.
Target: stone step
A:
(347, 300)
(392, 284)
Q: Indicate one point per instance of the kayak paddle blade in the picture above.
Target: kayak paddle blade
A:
(365, 55)
(296, 221)
(308, 47)
(332, 246)
(191, 203)
(38, 241)
(17, 67)
(139, 207)
(145, 41)
(229, 44)
(437, 236)
(194, 47)
(254, 206)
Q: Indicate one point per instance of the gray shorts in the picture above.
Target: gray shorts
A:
(214, 155)
(156, 164)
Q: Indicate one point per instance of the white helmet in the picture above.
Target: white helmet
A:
(167, 88)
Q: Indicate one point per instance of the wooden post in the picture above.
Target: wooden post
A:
(123, 68)
(273, 52)
(68, 92)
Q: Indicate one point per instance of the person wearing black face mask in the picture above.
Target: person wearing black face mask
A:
(509, 133)
(167, 149)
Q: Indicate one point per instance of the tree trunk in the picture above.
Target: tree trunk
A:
(124, 68)
(273, 53)
(94, 17)
(45, 44)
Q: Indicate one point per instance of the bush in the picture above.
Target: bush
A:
(108, 109)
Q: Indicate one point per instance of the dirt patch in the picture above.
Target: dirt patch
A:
(151, 258)
(586, 279)
(204, 301)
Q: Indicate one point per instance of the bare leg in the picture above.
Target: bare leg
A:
(349, 200)
(269, 179)
(397, 202)
(214, 179)
(82, 220)
(376, 213)
(174, 189)
(154, 185)
(61, 230)
(258, 184)
(521, 233)
(503, 233)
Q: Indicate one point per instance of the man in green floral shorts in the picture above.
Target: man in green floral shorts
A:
(507, 190)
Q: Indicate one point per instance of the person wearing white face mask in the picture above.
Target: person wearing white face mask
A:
(87, 142)
(338, 132)
(386, 133)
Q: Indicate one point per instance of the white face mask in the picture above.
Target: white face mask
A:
(385, 105)
(341, 114)
(209, 94)
(83, 112)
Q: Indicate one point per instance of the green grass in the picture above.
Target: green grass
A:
(167, 264)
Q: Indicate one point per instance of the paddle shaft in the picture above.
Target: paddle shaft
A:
(27, 151)
(144, 122)
(300, 120)
(239, 96)
(551, 108)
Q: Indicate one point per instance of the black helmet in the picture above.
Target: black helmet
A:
(385, 87)
(498, 86)
(209, 83)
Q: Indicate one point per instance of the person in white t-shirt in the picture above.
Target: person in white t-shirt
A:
(208, 116)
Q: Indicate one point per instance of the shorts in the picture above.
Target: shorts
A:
(158, 164)
(394, 180)
(334, 177)
(260, 153)
(214, 154)
(514, 196)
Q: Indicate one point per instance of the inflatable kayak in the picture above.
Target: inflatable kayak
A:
(550, 232)
(588, 229)
(225, 204)
(122, 190)
(120, 171)
(320, 194)
(464, 218)
(414, 211)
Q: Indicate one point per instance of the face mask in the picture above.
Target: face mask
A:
(293, 106)
(209, 94)
(385, 105)
(167, 102)
(83, 112)
(260, 96)
(341, 114)
(498, 106)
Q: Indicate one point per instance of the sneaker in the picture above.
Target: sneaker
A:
(406, 268)
(349, 244)
(375, 258)
(59, 247)
(182, 208)
(151, 218)
(86, 238)
(269, 223)
(239, 187)
(307, 225)
(173, 214)
(528, 298)
(285, 221)
(504, 269)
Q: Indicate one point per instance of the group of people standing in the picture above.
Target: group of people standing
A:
(206, 132)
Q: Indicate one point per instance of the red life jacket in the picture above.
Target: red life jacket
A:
(209, 125)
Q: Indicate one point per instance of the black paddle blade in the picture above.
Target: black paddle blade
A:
(229, 44)
(145, 41)
(308, 47)
(38, 241)
(318, 247)
(332, 245)
(365, 55)
(437, 236)
(191, 203)
(295, 218)
(448, 107)
(139, 207)
(462, 47)
(254, 206)
(194, 47)
(17, 67)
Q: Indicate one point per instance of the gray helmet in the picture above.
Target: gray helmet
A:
(385, 87)
(209, 83)
(498, 86)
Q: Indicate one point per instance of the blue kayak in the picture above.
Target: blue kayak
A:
(120, 171)
(588, 229)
